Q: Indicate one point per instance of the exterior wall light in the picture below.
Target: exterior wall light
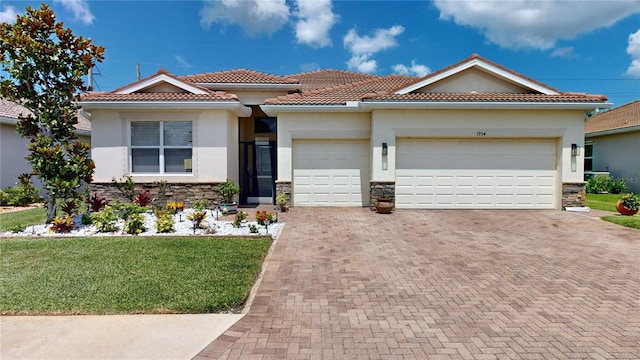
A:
(385, 150)
(575, 150)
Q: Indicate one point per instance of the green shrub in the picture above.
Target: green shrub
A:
(126, 186)
(134, 225)
(196, 218)
(105, 220)
(164, 223)
(617, 186)
(22, 194)
(126, 209)
(86, 219)
(200, 205)
(630, 201)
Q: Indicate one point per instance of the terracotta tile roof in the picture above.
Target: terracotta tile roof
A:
(484, 97)
(328, 78)
(240, 76)
(622, 117)
(11, 110)
(160, 96)
(340, 94)
(476, 56)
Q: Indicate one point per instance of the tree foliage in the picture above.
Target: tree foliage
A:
(45, 63)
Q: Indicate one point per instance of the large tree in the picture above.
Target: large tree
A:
(44, 65)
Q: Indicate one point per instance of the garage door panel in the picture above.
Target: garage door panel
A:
(476, 174)
(331, 173)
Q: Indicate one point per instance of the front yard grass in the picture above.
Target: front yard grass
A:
(18, 220)
(125, 275)
(628, 221)
(605, 202)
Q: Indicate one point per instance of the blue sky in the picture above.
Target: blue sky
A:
(583, 46)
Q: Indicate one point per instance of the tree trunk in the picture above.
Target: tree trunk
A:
(51, 209)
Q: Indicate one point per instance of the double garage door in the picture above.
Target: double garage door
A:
(476, 174)
(431, 173)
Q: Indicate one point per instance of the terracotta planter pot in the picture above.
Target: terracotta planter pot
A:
(384, 206)
(623, 210)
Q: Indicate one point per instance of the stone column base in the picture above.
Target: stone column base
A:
(286, 188)
(573, 194)
(378, 189)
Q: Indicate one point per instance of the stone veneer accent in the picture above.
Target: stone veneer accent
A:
(378, 189)
(185, 192)
(284, 187)
(573, 194)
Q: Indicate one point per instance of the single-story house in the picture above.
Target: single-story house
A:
(474, 135)
(13, 147)
(612, 144)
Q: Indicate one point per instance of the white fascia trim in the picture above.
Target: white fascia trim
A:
(159, 79)
(481, 105)
(613, 132)
(273, 110)
(481, 64)
(232, 106)
(241, 86)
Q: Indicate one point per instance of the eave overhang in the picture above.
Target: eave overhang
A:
(613, 131)
(14, 122)
(371, 105)
(233, 106)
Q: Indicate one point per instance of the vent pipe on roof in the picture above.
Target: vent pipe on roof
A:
(137, 71)
(90, 79)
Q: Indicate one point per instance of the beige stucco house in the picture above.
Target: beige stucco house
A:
(13, 148)
(612, 144)
(473, 135)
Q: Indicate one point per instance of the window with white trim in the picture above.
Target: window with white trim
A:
(588, 156)
(161, 147)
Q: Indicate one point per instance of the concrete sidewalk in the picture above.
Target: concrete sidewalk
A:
(110, 337)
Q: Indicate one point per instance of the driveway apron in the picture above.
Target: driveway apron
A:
(443, 284)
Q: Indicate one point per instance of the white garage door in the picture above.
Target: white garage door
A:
(331, 173)
(475, 174)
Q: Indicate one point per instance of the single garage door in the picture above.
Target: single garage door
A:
(331, 173)
(475, 174)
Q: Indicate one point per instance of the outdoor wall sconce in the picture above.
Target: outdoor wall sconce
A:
(575, 150)
(385, 150)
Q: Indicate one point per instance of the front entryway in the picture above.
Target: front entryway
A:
(257, 160)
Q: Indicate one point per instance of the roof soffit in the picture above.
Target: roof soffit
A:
(500, 73)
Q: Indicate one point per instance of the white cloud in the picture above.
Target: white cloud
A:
(362, 48)
(634, 51)
(182, 61)
(315, 20)
(414, 69)
(80, 10)
(254, 16)
(8, 14)
(519, 24)
(566, 52)
(308, 67)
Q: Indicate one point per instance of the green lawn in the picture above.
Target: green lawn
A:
(628, 221)
(605, 202)
(124, 275)
(18, 220)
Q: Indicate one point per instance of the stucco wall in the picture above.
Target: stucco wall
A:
(215, 144)
(298, 126)
(473, 80)
(620, 155)
(13, 150)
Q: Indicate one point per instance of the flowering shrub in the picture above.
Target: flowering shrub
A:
(143, 198)
(239, 218)
(175, 206)
(97, 203)
(264, 217)
(62, 224)
(134, 224)
(164, 223)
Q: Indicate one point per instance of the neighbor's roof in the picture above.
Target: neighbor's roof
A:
(11, 111)
(239, 76)
(622, 117)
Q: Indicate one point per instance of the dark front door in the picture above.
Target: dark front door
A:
(259, 165)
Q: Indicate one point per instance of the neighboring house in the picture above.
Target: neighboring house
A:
(612, 144)
(13, 147)
(473, 135)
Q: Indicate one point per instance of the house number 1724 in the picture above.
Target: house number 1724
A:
(481, 133)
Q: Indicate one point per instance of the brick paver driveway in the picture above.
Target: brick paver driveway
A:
(352, 284)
